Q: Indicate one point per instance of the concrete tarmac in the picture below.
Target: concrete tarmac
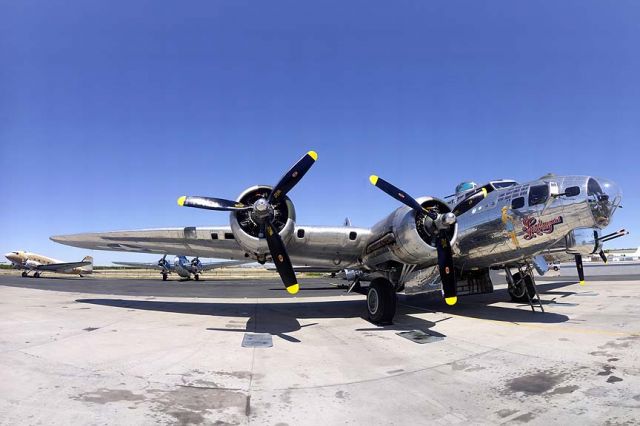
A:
(90, 352)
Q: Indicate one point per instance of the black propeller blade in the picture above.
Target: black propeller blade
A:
(396, 193)
(260, 208)
(293, 176)
(281, 259)
(443, 245)
(580, 270)
(211, 203)
(445, 266)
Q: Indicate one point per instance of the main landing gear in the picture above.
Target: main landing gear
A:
(24, 274)
(522, 287)
(164, 276)
(197, 277)
(381, 301)
(36, 275)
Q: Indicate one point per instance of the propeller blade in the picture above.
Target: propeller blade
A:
(293, 176)
(396, 193)
(445, 265)
(580, 270)
(211, 203)
(281, 259)
(603, 256)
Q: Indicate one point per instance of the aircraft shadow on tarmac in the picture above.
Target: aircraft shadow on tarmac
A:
(281, 319)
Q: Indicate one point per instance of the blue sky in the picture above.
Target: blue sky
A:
(111, 110)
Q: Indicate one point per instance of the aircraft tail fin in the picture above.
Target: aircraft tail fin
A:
(347, 221)
(89, 267)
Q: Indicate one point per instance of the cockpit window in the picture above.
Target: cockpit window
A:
(504, 184)
(538, 194)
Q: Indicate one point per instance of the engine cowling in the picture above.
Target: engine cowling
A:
(246, 229)
(416, 233)
(32, 264)
(413, 235)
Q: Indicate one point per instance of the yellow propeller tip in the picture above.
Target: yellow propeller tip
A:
(313, 155)
(373, 179)
(293, 289)
(181, 200)
(582, 282)
(451, 300)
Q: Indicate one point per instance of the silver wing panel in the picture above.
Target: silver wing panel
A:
(335, 247)
(217, 265)
(140, 265)
(189, 241)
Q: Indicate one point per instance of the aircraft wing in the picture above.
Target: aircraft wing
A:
(215, 242)
(60, 267)
(324, 246)
(216, 265)
(140, 265)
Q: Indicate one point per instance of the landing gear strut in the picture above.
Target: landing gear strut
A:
(381, 301)
(522, 287)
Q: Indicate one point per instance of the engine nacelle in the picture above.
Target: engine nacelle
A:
(583, 241)
(31, 264)
(410, 237)
(246, 230)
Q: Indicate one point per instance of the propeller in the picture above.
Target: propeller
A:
(441, 223)
(195, 263)
(262, 214)
(163, 262)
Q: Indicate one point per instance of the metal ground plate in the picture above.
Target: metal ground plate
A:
(419, 336)
(257, 340)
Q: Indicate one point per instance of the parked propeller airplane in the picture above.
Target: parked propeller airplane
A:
(425, 245)
(38, 263)
(181, 266)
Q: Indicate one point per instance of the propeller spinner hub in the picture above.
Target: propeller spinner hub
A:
(449, 219)
(262, 210)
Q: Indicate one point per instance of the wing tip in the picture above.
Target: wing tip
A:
(293, 288)
(181, 200)
(373, 179)
(313, 155)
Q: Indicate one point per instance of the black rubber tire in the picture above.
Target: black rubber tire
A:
(381, 301)
(522, 298)
(164, 277)
(197, 276)
(24, 274)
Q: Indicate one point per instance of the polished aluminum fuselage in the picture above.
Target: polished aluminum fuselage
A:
(496, 232)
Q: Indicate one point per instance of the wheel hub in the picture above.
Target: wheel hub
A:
(373, 300)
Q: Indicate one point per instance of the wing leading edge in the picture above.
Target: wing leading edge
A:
(190, 241)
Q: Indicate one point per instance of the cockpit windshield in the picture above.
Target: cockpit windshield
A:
(503, 184)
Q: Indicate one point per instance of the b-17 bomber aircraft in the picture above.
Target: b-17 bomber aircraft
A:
(37, 263)
(427, 244)
(181, 266)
